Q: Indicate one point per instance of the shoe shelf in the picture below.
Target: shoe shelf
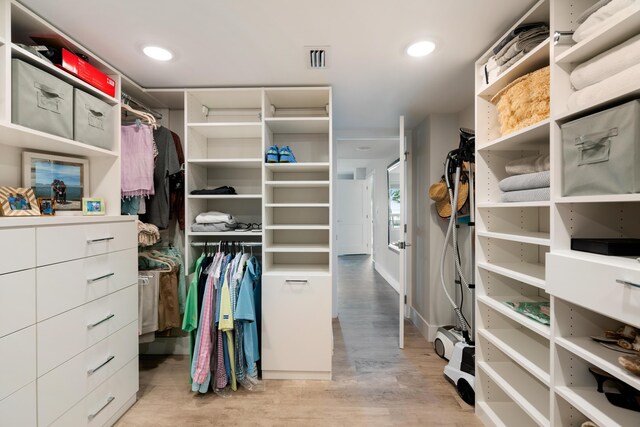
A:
(497, 303)
(495, 408)
(242, 163)
(532, 274)
(532, 237)
(608, 37)
(488, 205)
(298, 167)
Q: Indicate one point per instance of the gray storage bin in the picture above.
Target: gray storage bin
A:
(601, 152)
(92, 120)
(40, 100)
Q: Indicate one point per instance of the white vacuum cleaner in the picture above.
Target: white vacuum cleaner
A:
(455, 343)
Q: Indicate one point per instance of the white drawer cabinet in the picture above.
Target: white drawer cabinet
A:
(19, 409)
(100, 405)
(67, 384)
(17, 249)
(296, 326)
(68, 242)
(72, 332)
(17, 301)
(17, 360)
(605, 286)
(67, 285)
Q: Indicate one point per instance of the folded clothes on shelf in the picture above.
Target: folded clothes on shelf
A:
(526, 181)
(214, 217)
(533, 195)
(213, 227)
(536, 310)
(213, 191)
(530, 164)
(607, 14)
(520, 29)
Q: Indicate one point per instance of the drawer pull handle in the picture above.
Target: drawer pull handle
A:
(297, 281)
(100, 278)
(625, 282)
(102, 365)
(95, 414)
(93, 325)
(103, 239)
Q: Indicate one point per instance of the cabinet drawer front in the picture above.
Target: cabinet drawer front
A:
(68, 242)
(17, 301)
(18, 249)
(102, 403)
(296, 323)
(70, 382)
(72, 332)
(17, 360)
(67, 285)
(19, 409)
(599, 289)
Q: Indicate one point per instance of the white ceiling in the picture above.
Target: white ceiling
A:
(379, 149)
(260, 43)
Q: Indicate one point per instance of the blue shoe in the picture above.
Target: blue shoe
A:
(286, 155)
(272, 154)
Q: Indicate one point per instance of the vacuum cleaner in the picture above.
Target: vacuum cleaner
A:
(455, 343)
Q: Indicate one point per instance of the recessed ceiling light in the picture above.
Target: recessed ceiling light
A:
(363, 148)
(157, 53)
(421, 48)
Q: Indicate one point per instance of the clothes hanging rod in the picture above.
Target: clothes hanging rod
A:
(203, 244)
(128, 99)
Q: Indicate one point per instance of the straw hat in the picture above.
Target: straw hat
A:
(439, 193)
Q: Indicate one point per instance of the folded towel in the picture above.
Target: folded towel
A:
(514, 33)
(590, 11)
(516, 45)
(213, 217)
(535, 195)
(523, 48)
(213, 228)
(607, 64)
(531, 164)
(616, 85)
(610, 14)
(527, 181)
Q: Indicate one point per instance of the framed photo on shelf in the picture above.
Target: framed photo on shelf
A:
(16, 201)
(47, 206)
(92, 206)
(63, 179)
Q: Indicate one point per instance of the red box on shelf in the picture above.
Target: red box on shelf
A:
(88, 73)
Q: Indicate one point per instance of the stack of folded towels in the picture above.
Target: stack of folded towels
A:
(529, 180)
(614, 72)
(214, 222)
(512, 48)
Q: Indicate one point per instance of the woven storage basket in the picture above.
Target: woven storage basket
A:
(524, 101)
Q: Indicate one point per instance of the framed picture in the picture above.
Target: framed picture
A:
(47, 206)
(92, 206)
(64, 179)
(18, 202)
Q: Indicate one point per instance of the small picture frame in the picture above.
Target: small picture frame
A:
(93, 206)
(47, 206)
(15, 201)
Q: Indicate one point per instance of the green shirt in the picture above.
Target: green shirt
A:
(190, 319)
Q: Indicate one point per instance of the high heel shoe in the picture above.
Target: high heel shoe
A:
(602, 377)
(627, 400)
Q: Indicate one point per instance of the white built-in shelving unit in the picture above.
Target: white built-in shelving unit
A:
(528, 373)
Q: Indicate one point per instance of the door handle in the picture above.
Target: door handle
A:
(102, 239)
(95, 414)
(100, 278)
(297, 281)
(102, 365)
(99, 322)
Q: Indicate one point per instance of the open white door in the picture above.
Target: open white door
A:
(402, 244)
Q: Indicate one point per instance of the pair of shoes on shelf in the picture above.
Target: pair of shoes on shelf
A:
(283, 154)
(627, 398)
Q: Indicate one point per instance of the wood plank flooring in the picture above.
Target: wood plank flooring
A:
(374, 382)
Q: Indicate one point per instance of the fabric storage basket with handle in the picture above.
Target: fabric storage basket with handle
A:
(601, 152)
(92, 121)
(40, 100)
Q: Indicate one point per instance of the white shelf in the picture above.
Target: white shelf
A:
(301, 125)
(23, 137)
(533, 357)
(504, 414)
(486, 205)
(527, 138)
(298, 227)
(297, 205)
(298, 167)
(497, 304)
(534, 60)
(297, 184)
(629, 263)
(227, 130)
(254, 163)
(596, 406)
(609, 36)
(298, 248)
(223, 196)
(598, 355)
(20, 53)
(612, 99)
(225, 233)
(525, 391)
(532, 274)
(297, 269)
(608, 198)
(532, 237)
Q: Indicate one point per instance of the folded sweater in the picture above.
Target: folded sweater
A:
(531, 164)
(527, 181)
(534, 195)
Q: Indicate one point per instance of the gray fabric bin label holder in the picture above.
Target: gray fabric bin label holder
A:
(595, 147)
(95, 117)
(47, 98)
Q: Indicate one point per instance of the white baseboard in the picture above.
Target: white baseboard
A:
(428, 331)
(386, 276)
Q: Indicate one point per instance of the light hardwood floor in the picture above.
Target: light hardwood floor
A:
(374, 382)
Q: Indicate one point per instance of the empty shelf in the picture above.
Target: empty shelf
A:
(300, 125)
(297, 247)
(298, 227)
(227, 130)
(532, 237)
(529, 137)
(293, 184)
(532, 274)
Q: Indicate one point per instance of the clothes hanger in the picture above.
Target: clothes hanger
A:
(146, 256)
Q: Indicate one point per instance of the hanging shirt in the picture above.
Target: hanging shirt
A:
(226, 325)
(190, 319)
(246, 313)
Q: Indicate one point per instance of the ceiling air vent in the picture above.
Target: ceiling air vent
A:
(317, 57)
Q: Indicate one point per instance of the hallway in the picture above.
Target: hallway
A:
(374, 382)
